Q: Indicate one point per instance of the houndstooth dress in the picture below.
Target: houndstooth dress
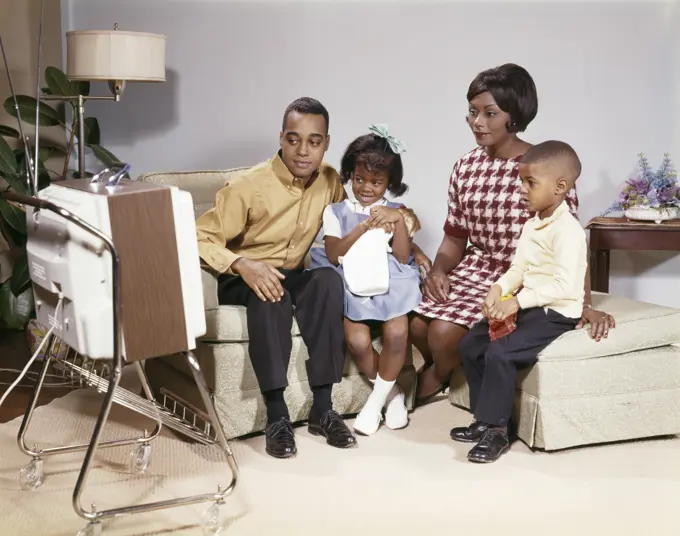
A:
(487, 207)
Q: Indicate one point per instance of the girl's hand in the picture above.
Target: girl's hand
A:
(422, 261)
(436, 287)
(383, 215)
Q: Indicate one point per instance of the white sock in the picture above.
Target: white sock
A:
(368, 420)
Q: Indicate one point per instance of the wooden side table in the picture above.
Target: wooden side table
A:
(621, 233)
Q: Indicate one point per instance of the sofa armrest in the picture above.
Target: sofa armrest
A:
(210, 299)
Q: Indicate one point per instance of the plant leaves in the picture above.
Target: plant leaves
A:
(21, 279)
(48, 115)
(58, 83)
(14, 216)
(46, 91)
(8, 162)
(92, 133)
(18, 183)
(15, 311)
(9, 131)
(107, 157)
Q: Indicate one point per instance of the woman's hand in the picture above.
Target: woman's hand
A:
(600, 323)
(436, 287)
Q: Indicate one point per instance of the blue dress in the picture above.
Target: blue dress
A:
(404, 292)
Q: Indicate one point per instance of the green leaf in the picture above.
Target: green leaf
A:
(46, 91)
(18, 183)
(92, 133)
(9, 131)
(107, 157)
(8, 162)
(21, 279)
(15, 311)
(14, 216)
(48, 116)
(58, 83)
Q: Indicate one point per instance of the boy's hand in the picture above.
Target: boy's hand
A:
(492, 298)
(504, 309)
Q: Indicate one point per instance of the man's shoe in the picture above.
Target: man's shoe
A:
(492, 446)
(469, 434)
(333, 428)
(280, 440)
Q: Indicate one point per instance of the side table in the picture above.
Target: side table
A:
(621, 233)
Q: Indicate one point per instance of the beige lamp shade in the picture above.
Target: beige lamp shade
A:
(115, 55)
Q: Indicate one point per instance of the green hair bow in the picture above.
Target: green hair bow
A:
(396, 145)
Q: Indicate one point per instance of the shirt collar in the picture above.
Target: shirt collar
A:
(357, 207)
(283, 173)
(561, 209)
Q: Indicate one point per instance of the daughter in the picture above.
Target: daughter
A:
(373, 164)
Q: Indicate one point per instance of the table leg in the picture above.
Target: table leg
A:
(599, 270)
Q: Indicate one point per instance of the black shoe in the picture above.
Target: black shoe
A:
(333, 428)
(280, 440)
(469, 434)
(492, 446)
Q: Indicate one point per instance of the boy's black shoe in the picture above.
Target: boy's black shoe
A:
(469, 434)
(493, 445)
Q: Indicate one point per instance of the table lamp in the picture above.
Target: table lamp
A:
(113, 56)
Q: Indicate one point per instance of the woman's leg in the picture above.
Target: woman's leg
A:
(358, 339)
(443, 339)
(395, 343)
(418, 327)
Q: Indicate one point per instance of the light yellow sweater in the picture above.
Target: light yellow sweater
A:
(550, 263)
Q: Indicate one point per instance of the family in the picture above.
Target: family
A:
(509, 277)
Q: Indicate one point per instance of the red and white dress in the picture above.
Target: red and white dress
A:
(486, 207)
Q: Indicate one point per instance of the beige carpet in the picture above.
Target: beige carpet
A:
(412, 482)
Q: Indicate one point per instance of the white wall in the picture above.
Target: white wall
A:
(606, 74)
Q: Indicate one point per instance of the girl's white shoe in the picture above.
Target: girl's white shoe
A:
(368, 420)
(396, 414)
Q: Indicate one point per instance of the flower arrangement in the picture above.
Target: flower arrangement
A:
(656, 192)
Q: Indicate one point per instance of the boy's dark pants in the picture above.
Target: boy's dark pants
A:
(318, 299)
(491, 367)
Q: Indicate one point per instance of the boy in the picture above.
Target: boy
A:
(549, 266)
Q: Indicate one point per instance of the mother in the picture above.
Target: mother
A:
(486, 212)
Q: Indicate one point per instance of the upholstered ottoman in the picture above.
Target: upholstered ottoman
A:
(583, 392)
(223, 351)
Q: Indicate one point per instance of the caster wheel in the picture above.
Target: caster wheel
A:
(210, 521)
(32, 476)
(92, 529)
(139, 458)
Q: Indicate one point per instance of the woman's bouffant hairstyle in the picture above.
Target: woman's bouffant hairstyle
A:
(514, 91)
(375, 154)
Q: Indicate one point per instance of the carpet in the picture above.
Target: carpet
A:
(412, 481)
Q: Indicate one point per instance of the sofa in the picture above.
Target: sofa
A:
(583, 392)
(223, 351)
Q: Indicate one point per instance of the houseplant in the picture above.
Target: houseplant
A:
(649, 195)
(16, 298)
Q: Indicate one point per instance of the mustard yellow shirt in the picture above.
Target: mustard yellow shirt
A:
(550, 263)
(266, 214)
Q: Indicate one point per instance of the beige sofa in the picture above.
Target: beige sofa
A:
(583, 392)
(223, 351)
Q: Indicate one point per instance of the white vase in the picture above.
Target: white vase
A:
(657, 215)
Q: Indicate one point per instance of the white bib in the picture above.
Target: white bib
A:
(366, 264)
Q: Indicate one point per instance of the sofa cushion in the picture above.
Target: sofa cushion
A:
(639, 326)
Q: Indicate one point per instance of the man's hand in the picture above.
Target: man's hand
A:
(492, 299)
(600, 323)
(264, 280)
(436, 287)
(503, 309)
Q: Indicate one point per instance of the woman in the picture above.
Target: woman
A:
(486, 213)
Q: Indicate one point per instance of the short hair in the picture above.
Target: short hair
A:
(375, 154)
(558, 152)
(514, 91)
(306, 105)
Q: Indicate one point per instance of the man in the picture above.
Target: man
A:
(256, 237)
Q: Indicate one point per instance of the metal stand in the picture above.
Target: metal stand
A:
(204, 427)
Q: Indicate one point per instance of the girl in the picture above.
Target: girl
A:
(373, 165)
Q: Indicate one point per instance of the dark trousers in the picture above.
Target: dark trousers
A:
(491, 367)
(318, 299)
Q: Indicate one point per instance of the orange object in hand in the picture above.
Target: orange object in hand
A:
(501, 328)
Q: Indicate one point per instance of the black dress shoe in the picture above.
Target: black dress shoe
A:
(492, 446)
(280, 440)
(333, 428)
(469, 434)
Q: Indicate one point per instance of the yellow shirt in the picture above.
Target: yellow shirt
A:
(550, 263)
(266, 214)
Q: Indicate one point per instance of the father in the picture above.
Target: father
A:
(256, 237)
